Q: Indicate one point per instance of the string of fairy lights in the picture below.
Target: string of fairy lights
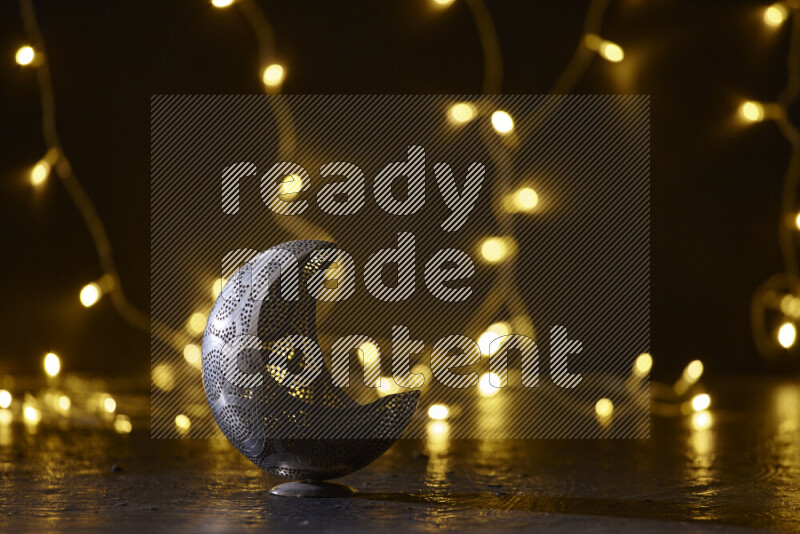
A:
(780, 295)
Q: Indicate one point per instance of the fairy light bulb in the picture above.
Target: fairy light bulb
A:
(486, 384)
(40, 172)
(52, 364)
(461, 113)
(775, 15)
(90, 294)
(221, 3)
(443, 3)
(496, 249)
(25, 55)
(273, 75)
(787, 335)
(487, 341)
(122, 424)
(182, 423)
(604, 408)
(5, 398)
(438, 412)
(752, 111)
(608, 50)
(701, 402)
(502, 122)
(643, 364)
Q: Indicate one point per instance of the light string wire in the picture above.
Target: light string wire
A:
(492, 82)
(781, 292)
(110, 281)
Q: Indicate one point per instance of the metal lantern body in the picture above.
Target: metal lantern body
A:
(311, 432)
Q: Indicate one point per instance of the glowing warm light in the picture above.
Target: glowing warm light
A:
(485, 385)
(461, 113)
(216, 287)
(64, 403)
(90, 294)
(693, 371)
(31, 414)
(701, 402)
(122, 424)
(273, 75)
(701, 420)
(25, 55)
(387, 386)
(495, 331)
(182, 423)
(775, 14)
(502, 122)
(642, 364)
(752, 111)
(370, 354)
(443, 2)
(196, 323)
(604, 408)
(797, 221)
(611, 52)
(40, 172)
(221, 3)
(526, 199)
(291, 186)
(162, 377)
(787, 335)
(52, 364)
(109, 405)
(608, 50)
(5, 398)
(438, 412)
(6, 417)
(495, 249)
(193, 355)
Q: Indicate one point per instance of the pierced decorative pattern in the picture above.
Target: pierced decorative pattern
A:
(311, 432)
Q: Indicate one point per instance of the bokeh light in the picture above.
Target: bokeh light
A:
(90, 294)
(52, 364)
(25, 55)
(502, 122)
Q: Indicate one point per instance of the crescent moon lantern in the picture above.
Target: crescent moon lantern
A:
(306, 429)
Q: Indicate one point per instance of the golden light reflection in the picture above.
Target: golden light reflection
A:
(122, 424)
(702, 420)
(52, 364)
(5, 398)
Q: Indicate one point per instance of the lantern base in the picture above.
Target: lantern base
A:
(317, 489)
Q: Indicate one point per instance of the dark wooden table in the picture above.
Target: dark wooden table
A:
(741, 473)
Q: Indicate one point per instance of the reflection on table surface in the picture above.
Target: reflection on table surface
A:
(735, 465)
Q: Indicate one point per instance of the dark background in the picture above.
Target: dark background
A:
(715, 182)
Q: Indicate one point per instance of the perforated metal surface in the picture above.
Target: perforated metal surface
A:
(310, 431)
